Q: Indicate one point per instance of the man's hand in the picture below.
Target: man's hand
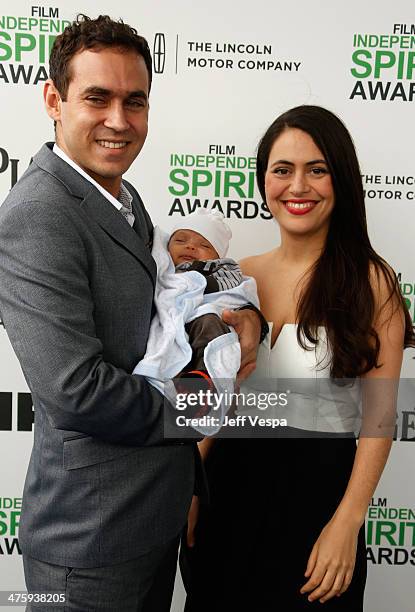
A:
(248, 327)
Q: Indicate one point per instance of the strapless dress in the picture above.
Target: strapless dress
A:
(271, 497)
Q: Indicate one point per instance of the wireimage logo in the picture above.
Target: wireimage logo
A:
(159, 53)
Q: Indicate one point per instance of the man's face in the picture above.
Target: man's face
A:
(103, 123)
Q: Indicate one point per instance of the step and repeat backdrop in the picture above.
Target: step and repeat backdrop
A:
(222, 72)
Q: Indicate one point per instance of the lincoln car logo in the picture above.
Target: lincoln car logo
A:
(159, 52)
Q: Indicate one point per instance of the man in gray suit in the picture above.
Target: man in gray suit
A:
(106, 496)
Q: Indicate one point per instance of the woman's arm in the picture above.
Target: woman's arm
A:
(331, 562)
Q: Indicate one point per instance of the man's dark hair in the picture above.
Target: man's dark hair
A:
(87, 33)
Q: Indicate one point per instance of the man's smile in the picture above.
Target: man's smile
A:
(110, 144)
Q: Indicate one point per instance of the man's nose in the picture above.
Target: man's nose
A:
(116, 117)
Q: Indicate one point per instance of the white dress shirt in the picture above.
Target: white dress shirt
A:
(124, 193)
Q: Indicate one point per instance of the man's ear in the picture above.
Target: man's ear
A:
(53, 101)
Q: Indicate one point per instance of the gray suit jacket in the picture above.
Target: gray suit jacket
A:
(76, 291)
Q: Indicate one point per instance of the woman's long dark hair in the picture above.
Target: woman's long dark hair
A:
(339, 294)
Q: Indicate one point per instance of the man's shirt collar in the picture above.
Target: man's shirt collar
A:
(58, 151)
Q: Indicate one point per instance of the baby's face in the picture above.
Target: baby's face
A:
(187, 245)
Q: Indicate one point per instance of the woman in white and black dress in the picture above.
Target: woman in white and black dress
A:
(284, 527)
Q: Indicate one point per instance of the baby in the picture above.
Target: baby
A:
(189, 347)
(200, 242)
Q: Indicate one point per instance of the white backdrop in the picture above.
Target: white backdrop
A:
(226, 71)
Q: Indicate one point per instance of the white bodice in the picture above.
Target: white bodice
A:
(315, 403)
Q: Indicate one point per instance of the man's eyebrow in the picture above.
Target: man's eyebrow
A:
(138, 94)
(101, 91)
(96, 90)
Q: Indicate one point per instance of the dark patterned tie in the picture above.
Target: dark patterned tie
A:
(126, 209)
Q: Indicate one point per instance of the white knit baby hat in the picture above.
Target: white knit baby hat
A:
(211, 225)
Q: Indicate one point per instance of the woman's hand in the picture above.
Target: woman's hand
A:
(192, 520)
(332, 560)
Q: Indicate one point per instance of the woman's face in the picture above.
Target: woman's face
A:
(298, 186)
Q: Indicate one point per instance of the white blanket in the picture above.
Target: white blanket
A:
(179, 299)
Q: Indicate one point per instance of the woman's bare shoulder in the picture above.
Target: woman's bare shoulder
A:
(383, 282)
(252, 266)
(386, 292)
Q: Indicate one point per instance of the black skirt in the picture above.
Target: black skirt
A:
(269, 500)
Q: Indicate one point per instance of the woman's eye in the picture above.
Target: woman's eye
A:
(281, 171)
(319, 171)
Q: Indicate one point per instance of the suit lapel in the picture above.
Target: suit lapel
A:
(97, 207)
(113, 223)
